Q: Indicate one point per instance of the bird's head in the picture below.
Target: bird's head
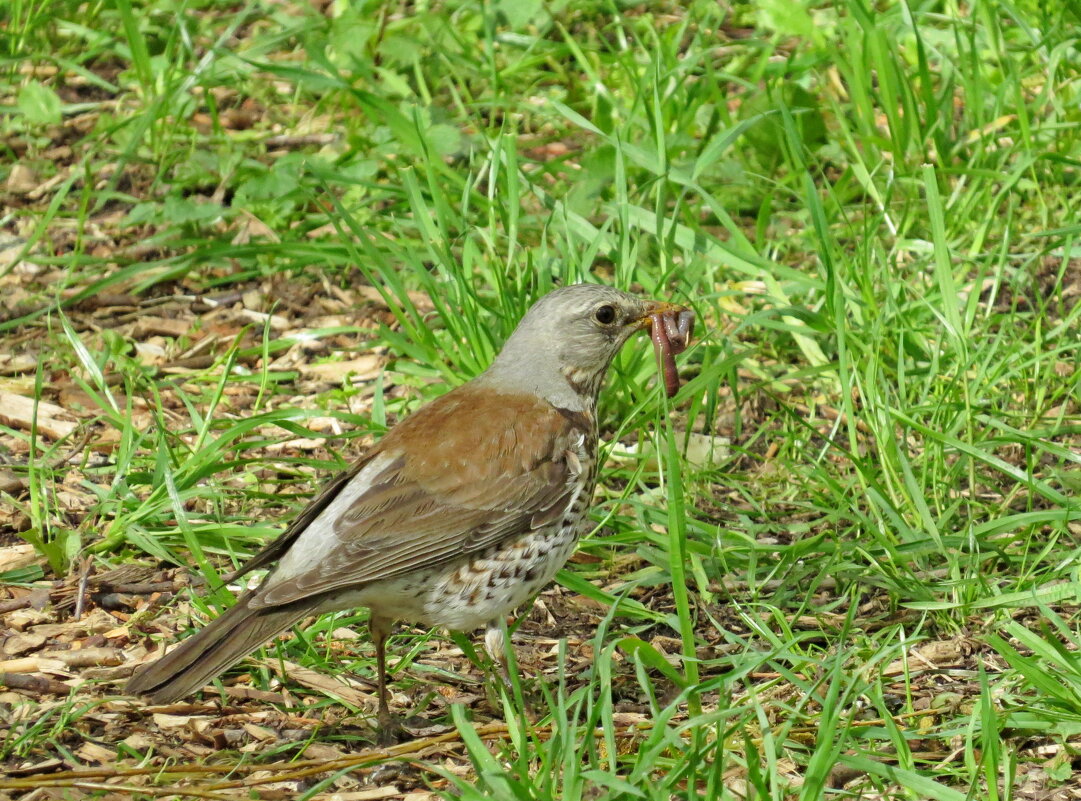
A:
(564, 344)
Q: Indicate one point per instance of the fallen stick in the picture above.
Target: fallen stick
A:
(33, 683)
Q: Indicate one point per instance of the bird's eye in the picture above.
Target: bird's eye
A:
(605, 314)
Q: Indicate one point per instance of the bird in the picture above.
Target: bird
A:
(461, 513)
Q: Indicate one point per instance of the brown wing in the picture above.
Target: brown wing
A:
(274, 550)
(434, 499)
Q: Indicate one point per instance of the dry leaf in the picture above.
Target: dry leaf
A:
(321, 682)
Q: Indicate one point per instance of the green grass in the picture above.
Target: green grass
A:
(873, 211)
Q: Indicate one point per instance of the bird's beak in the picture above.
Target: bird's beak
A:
(653, 307)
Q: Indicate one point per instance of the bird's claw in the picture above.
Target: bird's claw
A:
(390, 731)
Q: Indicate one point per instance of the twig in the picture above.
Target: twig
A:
(68, 778)
(12, 604)
(279, 771)
(150, 790)
(80, 593)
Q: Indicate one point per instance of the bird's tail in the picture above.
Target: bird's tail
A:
(224, 641)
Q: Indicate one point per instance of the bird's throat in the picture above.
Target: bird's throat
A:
(585, 384)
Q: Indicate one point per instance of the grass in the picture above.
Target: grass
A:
(869, 591)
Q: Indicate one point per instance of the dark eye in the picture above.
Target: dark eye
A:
(605, 314)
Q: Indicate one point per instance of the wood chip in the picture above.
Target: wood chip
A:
(930, 655)
(275, 321)
(47, 186)
(14, 364)
(22, 619)
(85, 657)
(32, 769)
(12, 557)
(97, 621)
(160, 326)
(251, 228)
(420, 301)
(61, 660)
(362, 368)
(12, 484)
(260, 733)
(243, 692)
(138, 741)
(92, 752)
(33, 683)
(18, 412)
(21, 643)
(343, 633)
(30, 664)
(317, 750)
(164, 721)
(21, 180)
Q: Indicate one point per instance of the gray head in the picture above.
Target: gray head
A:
(562, 347)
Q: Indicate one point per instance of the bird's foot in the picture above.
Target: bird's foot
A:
(503, 687)
(394, 730)
(492, 692)
(390, 731)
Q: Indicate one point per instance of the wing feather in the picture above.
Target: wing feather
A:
(431, 503)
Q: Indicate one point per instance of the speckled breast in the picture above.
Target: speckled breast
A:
(482, 589)
(471, 592)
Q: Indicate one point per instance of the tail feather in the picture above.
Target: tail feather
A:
(224, 641)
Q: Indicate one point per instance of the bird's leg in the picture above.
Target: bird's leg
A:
(495, 639)
(390, 730)
(495, 643)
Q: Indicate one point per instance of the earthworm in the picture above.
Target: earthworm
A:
(671, 334)
(679, 329)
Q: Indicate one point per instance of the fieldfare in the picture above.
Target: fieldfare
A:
(461, 513)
